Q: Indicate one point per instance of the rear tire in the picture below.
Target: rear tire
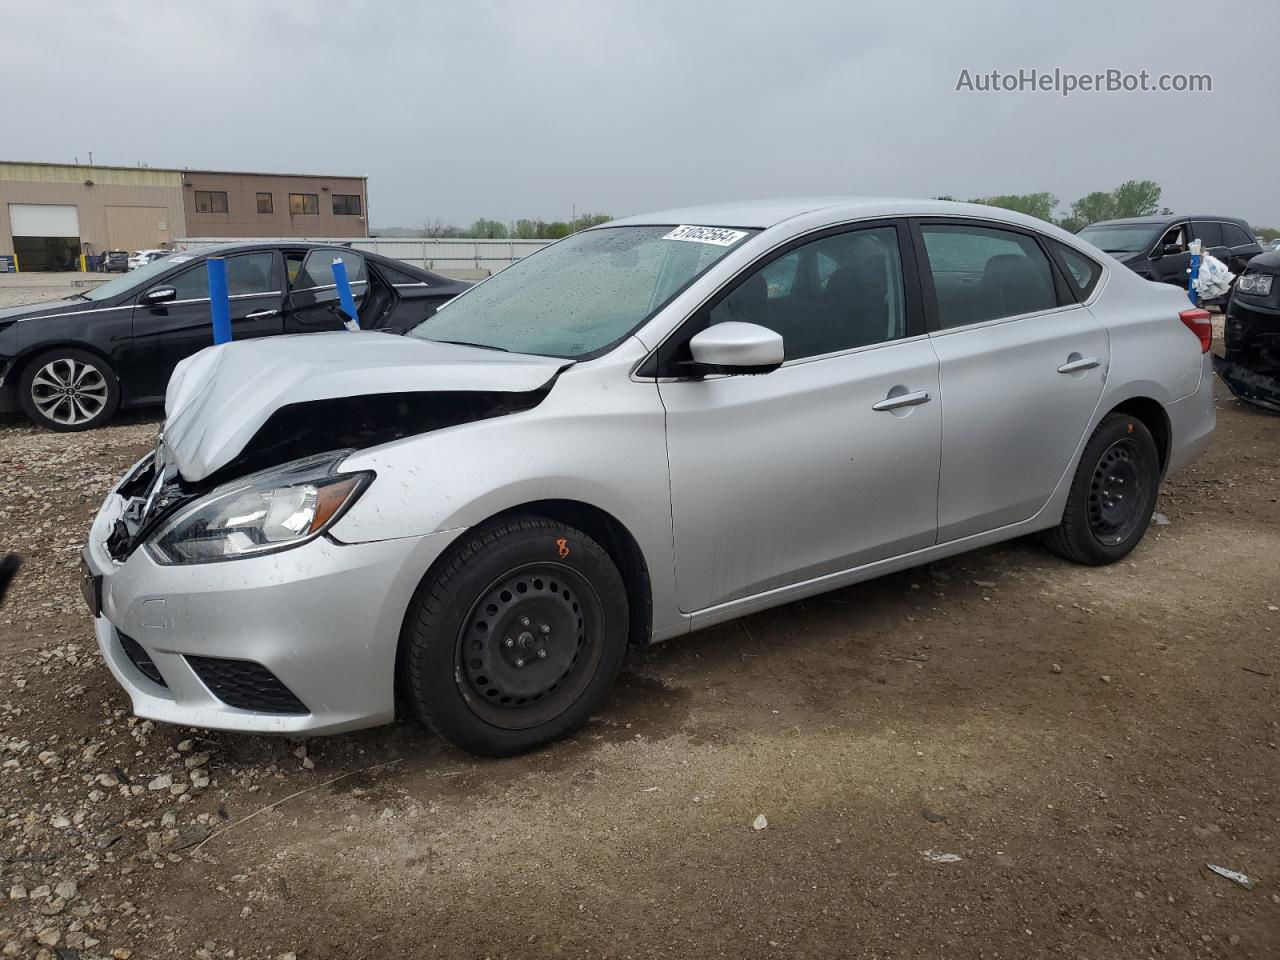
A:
(1112, 495)
(516, 638)
(68, 390)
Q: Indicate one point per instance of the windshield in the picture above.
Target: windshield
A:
(1121, 238)
(582, 295)
(136, 278)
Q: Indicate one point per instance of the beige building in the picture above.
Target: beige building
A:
(220, 204)
(57, 216)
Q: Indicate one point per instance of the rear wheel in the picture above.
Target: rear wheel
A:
(68, 389)
(1112, 496)
(516, 639)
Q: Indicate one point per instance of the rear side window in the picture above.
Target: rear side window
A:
(984, 273)
(317, 269)
(1234, 235)
(1082, 272)
(1208, 232)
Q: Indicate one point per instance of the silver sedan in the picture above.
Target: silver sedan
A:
(653, 426)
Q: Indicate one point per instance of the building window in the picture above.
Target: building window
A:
(211, 201)
(346, 203)
(265, 204)
(303, 203)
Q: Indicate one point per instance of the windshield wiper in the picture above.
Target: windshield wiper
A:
(467, 343)
(77, 296)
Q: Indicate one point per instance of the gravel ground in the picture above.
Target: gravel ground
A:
(999, 755)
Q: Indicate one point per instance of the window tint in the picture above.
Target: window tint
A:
(266, 204)
(1234, 235)
(303, 203)
(317, 269)
(983, 273)
(246, 273)
(835, 293)
(346, 203)
(1082, 271)
(1207, 231)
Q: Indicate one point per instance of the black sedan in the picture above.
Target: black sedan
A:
(70, 364)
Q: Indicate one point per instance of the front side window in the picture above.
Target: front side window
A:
(579, 297)
(211, 201)
(266, 204)
(984, 273)
(303, 203)
(346, 204)
(246, 273)
(832, 294)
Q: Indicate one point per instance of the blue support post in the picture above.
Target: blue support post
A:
(219, 301)
(343, 284)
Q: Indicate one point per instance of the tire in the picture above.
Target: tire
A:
(516, 637)
(43, 386)
(1112, 495)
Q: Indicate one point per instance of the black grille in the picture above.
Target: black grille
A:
(140, 659)
(246, 685)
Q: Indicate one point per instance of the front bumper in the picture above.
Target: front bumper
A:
(323, 618)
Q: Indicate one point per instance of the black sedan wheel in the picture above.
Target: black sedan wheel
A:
(1112, 496)
(516, 638)
(68, 390)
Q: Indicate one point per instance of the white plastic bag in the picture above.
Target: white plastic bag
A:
(1214, 279)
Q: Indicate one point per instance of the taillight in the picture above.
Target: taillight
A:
(1201, 324)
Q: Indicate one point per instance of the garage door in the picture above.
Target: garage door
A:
(43, 220)
(136, 228)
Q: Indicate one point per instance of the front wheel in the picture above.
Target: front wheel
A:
(1112, 496)
(68, 389)
(517, 637)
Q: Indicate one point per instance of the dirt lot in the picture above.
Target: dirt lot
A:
(1085, 741)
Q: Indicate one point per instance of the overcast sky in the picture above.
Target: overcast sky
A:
(456, 111)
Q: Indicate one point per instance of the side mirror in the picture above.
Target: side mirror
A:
(734, 347)
(159, 295)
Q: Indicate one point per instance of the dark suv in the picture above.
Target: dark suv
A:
(115, 261)
(1156, 247)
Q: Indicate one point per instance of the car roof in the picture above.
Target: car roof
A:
(243, 246)
(762, 214)
(1172, 218)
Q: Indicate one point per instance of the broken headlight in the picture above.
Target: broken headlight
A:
(1255, 284)
(274, 510)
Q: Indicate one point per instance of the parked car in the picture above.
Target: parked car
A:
(649, 427)
(1157, 247)
(1250, 364)
(71, 363)
(115, 261)
(143, 257)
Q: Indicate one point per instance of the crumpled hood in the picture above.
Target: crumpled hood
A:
(220, 397)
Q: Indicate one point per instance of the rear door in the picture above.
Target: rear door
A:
(313, 304)
(1209, 233)
(1021, 369)
(166, 333)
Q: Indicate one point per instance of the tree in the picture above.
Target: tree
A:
(555, 230)
(1039, 205)
(484, 229)
(438, 229)
(1092, 207)
(1136, 198)
(528, 229)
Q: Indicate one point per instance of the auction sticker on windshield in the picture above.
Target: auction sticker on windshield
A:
(720, 236)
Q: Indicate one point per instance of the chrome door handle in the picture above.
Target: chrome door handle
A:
(902, 400)
(260, 314)
(1084, 363)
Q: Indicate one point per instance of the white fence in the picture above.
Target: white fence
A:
(447, 256)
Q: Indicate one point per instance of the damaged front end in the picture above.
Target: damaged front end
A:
(1250, 365)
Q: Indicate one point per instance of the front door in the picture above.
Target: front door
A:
(1171, 258)
(1022, 367)
(830, 461)
(169, 332)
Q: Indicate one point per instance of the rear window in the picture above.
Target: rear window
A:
(1082, 272)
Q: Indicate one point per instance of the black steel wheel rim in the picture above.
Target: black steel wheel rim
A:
(530, 645)
(1117, 493)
